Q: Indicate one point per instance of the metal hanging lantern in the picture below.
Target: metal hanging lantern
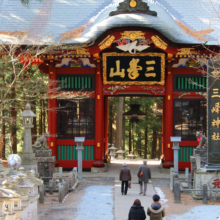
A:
(135, 114)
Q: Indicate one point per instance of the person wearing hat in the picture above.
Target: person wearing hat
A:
(124, 177)
(144, 175)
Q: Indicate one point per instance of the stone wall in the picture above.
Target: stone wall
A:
(201, 177)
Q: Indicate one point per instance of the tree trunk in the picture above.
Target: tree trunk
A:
(130, 127)
(2, 137)
(159, 145)
(132, 137)
(13, 129)
(157, 154)
(146, 142)
(41, 119)
(119, 117)
(34, 129)
(154, 144)
(139, 148)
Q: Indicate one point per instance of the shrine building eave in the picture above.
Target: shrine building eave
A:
(58, 22)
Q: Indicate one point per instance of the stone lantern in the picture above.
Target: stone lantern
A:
(29, 161)
(112, 151)
(79, 141)
(176, 148)
(131, 155)
(120, 154)
(11, 200)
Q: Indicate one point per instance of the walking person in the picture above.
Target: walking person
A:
(156, 210)
(144, 175)
(124, 177)
(137, 211)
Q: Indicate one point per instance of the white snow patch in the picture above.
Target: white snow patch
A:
(97, 204)
(163, 200)
(203, 212)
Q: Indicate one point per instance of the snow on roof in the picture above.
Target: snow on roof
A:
(80, 21)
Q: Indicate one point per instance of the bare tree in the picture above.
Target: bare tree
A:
(22, 82)
(202, 36)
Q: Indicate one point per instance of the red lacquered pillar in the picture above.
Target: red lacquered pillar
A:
(168, 118)
(52, 110)
(106, 124)
(99, 116)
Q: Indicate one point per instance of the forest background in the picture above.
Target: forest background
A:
(144, 138)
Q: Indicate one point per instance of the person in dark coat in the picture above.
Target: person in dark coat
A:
(144, 175)
(137, 211)
(156, 210)
(124, 177)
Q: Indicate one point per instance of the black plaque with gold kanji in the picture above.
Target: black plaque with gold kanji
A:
(129, 69)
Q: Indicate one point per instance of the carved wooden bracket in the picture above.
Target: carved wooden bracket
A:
(133, 6)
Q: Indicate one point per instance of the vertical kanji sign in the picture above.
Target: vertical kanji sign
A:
(213, 90)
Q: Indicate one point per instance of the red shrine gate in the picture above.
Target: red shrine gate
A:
(147, 65)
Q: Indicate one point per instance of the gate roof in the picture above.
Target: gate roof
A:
(80, 21)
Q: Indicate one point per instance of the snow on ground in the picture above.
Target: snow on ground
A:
(96, 204)
(203, 212)
(163, 200)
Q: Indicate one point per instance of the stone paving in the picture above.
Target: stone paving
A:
(121, 203)
(98, 197)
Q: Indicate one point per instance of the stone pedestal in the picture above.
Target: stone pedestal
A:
(112, 154)
(175, 148)
(79, 149)
(45, 162)
(79, 141)
(29, 162)
(99, 169)
(203, 154)
(211, 179)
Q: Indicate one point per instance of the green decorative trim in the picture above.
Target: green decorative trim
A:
(184, 83)
(192, 97)
(132, 6)
(185, 153)
(69, 152)
(75, 82)
(128, 93)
